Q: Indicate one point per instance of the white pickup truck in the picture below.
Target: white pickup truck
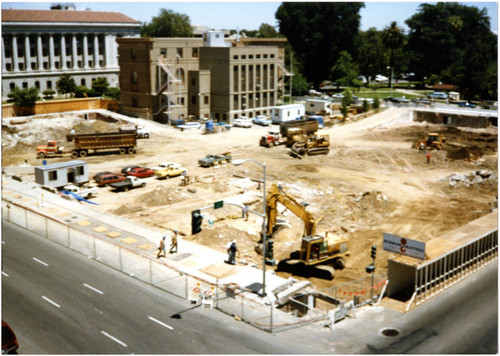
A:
(83, 193)
(143, 132)
(130, 182)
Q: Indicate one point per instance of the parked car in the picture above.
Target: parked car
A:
(438, 95)
(261, 120)
(127, 183)
(141, 172)
(173, 170)
(223, 125)
(211, 160)
(421, 101)
(242, 122)
(162, 165)
(129, 168)
(83, 193)
(106, 179)
(9, 340)
(397, 100)
(189, 125)
(101, 174)
(466, 105)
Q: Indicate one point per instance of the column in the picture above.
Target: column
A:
(39, 50)
(4, 67)
(52, 58)
(114, 53)
(63, 52)
(74, 52)
(85, 51)
(96, 51)
(15, 58)
(107, 48)
(27, 53)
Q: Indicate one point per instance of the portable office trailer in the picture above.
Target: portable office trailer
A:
(287, 112)
(317, 106)
(58, 175)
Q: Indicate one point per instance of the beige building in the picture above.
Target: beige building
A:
(209, 77)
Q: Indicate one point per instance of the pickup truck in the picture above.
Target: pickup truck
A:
(83, 193)
(130, 182)
(143, 132)
(211, 160)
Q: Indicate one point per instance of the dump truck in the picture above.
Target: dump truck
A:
(124, 142)
(326, 251)
(309, 126)
(434, 141)
(49, 150)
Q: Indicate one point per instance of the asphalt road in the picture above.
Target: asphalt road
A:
(58, 301)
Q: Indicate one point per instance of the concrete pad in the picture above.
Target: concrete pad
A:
(129, 240)
(84, 223)
(219, 270)
(145, 246)
(113, 234)
(17, 196)
(64, 214)
(53, 210)
(26, 199)
(100, 229)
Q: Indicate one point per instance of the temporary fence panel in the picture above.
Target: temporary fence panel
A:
(359, 291)
(135, 265)
(58, 232)
(107, 253)
(81, 243)
(17, 215)
(36, 223)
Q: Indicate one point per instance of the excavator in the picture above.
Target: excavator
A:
(324, 250)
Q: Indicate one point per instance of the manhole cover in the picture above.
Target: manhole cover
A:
(390, 332)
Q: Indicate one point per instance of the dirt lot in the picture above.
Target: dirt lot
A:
(371, 182)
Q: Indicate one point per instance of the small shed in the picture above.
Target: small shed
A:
(287, 112)
(58, 175)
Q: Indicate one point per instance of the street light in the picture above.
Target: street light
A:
(263, 165)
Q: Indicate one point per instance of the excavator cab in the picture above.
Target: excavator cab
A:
(329, 249)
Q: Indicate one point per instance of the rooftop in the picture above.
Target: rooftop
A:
(64, 16)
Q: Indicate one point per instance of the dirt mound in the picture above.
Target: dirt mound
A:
(126, 209)
(161, 196)
(465, 153)
(92, 126)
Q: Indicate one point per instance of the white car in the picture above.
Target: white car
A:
(163, 165)
(381, 78)
(242, 122)
(189, 125)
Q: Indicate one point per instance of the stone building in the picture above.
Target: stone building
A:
(40, 45)
(209, 77)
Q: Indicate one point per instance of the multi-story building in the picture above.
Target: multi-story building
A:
(205, 77)
(40, 45)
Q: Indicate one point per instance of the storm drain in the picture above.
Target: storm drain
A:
(389, 332)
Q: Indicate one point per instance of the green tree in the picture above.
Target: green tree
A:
(300, 84)
(113, 93)
(455, 43)
(25, 98)
(66, 84)
(345, 71)
(393, 38)
(371, 53)
(100, 86)
(267, 31)
(318, 32)
(168, 24)
(366, 106)
(347, 99)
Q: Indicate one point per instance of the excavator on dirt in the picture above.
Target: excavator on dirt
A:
(434, 141)
(326, 251)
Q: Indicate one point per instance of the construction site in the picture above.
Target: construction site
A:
(374, 178)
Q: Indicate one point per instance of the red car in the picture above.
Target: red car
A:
(106, 179)
(9, 341)
(141, 172)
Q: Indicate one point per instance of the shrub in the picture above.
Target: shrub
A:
(366, 106)
(48, 94)
(113, 93)
(376, 103)
(81, 92)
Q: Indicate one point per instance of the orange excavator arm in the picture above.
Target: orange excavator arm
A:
(277, 195)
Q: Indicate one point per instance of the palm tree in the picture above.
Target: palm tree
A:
(392, 38)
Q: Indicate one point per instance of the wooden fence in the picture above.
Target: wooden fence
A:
(56, 106)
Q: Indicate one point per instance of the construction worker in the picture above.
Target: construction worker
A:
(161, 248)
(428, 155)
(173, 244)
(232, 250)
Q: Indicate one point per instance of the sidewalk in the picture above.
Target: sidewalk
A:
(198, 261)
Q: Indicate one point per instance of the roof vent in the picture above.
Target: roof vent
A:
(63, 6)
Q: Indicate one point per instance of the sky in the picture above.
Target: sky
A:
(247, 15)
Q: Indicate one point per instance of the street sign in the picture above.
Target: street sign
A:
(219, 204)
(404, 246)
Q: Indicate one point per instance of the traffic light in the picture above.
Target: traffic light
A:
(374, 251)
(269, 249)
(196, 220)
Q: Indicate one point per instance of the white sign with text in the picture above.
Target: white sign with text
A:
(404, 246)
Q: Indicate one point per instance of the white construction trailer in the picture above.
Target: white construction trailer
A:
(287, 112)
(58, 175)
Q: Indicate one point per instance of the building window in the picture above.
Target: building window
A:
(25, 85)
(243, 56)
(52, 175)
(193, 81)
(193, 99)
(80, 170)
(265, 55)
(12, 86)
(49, 84)
(235, 57)
(163, 52)
(83, 82)
(258, 56)
(250, 56)
(195, 53)
(134, 102)
(135, 77)
(179, 52)
(272, 55)
(133, 53)
(37, 85)
(206, 100)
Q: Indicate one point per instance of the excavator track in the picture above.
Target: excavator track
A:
(318, 151)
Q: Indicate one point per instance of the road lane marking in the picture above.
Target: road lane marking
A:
(114, 339)
(41, 262)
(5, 274)
(94, 289)
(50, 301)
(159, 322)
